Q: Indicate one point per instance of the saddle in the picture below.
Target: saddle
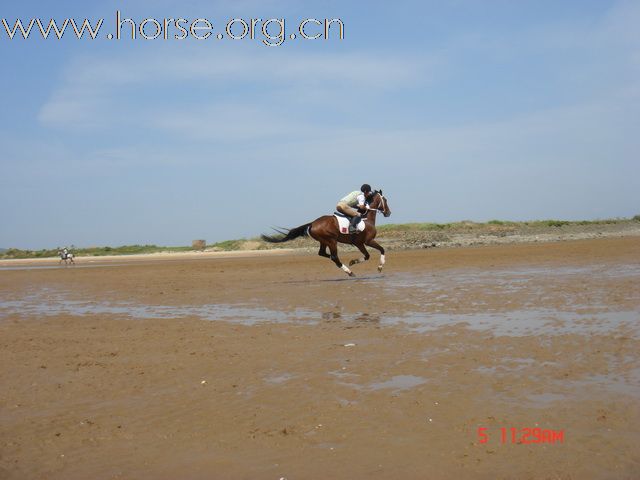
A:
(346, 226)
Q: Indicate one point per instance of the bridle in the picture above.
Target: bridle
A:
(383, 204)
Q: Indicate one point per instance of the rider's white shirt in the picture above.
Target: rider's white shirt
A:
(354, 199)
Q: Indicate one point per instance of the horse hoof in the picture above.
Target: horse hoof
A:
(352, 263)
(380, 269)
(351, 274)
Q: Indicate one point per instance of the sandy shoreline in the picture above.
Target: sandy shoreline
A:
(150, 257)
(280, 366)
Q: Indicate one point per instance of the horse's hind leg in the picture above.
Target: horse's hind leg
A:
(333, 247)
(323, 251)
(377, 246)
(363, 249)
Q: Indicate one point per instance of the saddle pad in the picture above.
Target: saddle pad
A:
(343, 224)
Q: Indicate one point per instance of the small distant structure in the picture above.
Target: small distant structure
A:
(199, 244)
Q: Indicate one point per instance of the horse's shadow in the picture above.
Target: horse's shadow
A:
(331, 280)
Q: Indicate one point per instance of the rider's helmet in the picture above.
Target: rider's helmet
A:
(365, 188)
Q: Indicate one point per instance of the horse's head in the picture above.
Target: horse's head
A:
(380, 203)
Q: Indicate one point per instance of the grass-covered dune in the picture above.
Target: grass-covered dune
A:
(414, 233)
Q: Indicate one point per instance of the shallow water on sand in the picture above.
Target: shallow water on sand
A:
(428, 310)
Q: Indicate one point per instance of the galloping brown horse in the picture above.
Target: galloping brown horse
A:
(326, 231)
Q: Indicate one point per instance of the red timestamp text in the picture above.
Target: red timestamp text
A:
(522, 435)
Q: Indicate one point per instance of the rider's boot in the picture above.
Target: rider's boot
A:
(353, 224)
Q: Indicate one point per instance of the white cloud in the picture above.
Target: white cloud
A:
(85, 97)
(620, 25)
(229, 123)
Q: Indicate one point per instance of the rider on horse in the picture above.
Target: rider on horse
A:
(356, 199)
(329, 233)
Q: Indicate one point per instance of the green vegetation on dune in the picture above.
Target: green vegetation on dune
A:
(93, 251)
(404, 227)
(228, 245)
(17, 253)
(472, 226)
(127, 250)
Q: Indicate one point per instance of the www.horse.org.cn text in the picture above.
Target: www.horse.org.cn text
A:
(271, 32)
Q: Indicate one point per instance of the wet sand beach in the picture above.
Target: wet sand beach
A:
(279, 366)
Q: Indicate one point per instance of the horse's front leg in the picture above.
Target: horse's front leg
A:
(373, 244)
(333, 248)
(363, 249)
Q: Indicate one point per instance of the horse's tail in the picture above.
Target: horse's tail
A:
(288, 234)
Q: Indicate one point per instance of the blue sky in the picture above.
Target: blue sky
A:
(458, 110)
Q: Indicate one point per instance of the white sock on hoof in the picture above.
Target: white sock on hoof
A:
(381, 259)
(345, 268)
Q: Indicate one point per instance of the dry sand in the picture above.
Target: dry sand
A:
(280, 366)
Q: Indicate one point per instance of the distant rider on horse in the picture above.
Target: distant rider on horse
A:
(355, 200)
